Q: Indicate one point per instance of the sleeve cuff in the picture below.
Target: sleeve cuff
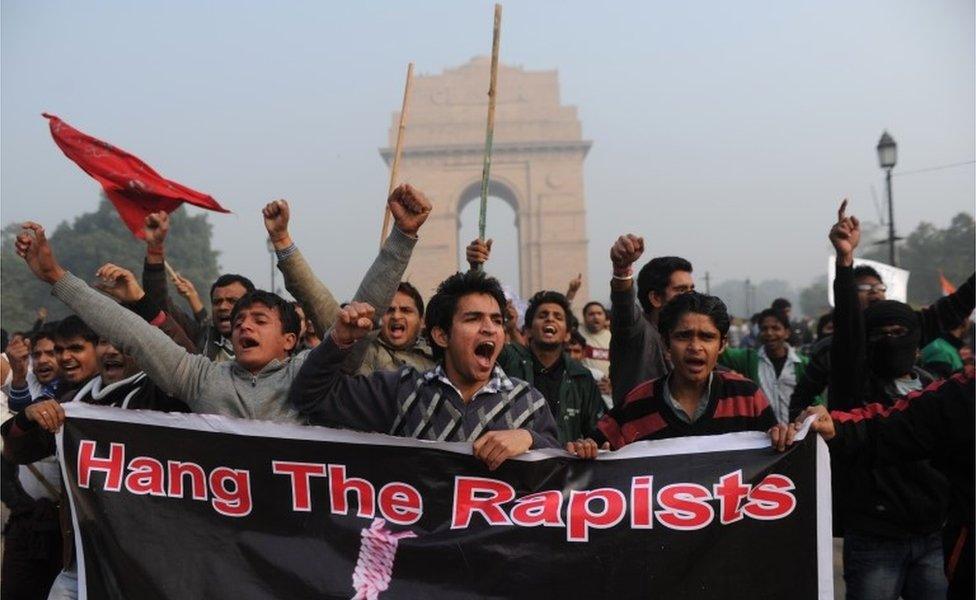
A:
(400, 244)
(145, 307)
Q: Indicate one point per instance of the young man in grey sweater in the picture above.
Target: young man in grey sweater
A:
(255, 384)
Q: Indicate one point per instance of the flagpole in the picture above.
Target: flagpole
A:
(490, 128)
(395, 167)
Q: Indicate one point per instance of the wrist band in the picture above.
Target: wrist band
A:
(154, 251)
(625, 273)
(286, 252)
(623, 277)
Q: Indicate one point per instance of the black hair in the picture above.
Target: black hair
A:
(693, 302)
(781, 304)
(549, 297)
(44, 333)
(443, 304)
(779, 315)
(594, 303)
(655, 277)
(822, 323)
(230, 279)
(286, 311)
(577, 338)
(866, 271)
(4, 340)
(71, 327)
(407, 288)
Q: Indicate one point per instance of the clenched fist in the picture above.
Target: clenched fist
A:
(353, 323)
(409, 207)
(276, 216)
(625, 251)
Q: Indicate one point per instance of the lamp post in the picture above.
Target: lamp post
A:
(887, 157)
(271, 253)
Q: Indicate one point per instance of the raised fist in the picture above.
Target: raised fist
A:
(353, 323)
(120, 283)
(478, 252)
(33, 247)
(18, 354)
(574, 285)
(626, 250)
(409, 207)
(276, 215)
(156, 227)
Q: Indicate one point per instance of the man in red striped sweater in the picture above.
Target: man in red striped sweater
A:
(694, 399)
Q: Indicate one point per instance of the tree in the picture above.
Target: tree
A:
(92, 240)
(927, 250)
(813, 298)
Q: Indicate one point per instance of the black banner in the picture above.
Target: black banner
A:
(201, 506)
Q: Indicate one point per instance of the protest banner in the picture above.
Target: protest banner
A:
(203, 506)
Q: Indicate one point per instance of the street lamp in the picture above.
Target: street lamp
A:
(271, 253)
(887, 157)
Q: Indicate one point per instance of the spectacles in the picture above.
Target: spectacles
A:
(868, 287)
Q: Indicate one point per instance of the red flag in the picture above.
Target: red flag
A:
(133, 186)
(947, 287)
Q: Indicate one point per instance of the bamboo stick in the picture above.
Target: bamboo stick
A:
(395, 167)
(490, 128)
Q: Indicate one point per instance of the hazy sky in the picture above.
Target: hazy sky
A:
(724, 132)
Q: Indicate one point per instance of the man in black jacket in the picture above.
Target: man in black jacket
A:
(890, 516)
(938, 423)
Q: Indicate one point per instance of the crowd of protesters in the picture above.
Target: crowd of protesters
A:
(465, 366)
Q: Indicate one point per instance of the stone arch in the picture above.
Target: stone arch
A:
(537, 167)
(506, 193)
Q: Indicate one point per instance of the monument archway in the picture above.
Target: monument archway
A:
(537, 167)
(505, 228)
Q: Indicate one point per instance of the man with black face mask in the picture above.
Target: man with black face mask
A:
(891, 516)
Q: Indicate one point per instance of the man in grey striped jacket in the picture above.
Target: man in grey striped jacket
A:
(466, 397)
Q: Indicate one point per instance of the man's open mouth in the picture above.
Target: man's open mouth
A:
(43, 370)
(112, 363)
(248, 343)
(549, 330)
(397, 327)
(485, 350)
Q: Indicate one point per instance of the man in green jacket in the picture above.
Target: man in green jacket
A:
(567, 385)
(775, 366)
(941, 357)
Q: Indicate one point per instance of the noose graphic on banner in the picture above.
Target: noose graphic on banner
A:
(374, 567)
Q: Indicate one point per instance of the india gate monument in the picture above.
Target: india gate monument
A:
(537, 168)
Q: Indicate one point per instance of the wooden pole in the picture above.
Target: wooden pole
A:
(395, 167)
(169, 269)
(490, 129)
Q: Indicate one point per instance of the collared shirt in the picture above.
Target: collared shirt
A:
(498, 382)
(678, 410)
(778, 386)
(906, 385)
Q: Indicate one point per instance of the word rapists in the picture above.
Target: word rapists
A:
(679, 506)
